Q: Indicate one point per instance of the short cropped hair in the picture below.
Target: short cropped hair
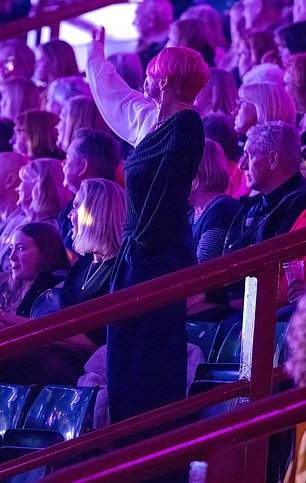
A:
(48, 194)
(101, 150)
(280, 137)
(101, 216)
(212, 174)
(80, 112)
(20, 94)
(185, 67)
(40, 128)
(271, 101)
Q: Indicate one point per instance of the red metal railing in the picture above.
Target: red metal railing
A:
(174, 450)
(16, 28)
(261, 260)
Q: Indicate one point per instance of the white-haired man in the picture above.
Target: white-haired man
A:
(271, 163)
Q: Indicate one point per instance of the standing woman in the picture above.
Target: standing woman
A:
(147, 355)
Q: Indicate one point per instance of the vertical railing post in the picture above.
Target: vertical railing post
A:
(262, 362)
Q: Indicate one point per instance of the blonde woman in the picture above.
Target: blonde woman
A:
(78, 112)
(41, 194)
(18, 94)
(102, 200)
(261, 102)
(35, 134)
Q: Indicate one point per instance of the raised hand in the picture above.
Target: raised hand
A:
(96, 47)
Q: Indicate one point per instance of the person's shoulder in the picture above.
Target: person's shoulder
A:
(189, 124)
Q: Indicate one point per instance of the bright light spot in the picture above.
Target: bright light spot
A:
(84, 217)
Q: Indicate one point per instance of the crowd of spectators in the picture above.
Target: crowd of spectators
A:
(65, 137)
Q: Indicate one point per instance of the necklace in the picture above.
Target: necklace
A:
(88, 278)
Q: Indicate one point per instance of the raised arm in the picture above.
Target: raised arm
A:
(125, 110)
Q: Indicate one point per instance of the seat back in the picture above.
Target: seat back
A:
(203, 335)
(67, 410)
(230, 348)
(14, 403)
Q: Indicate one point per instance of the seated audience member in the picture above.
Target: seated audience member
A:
(152, 20)
(92, 154)
(213, 211)
(41, 194)
(11, 215)
(97, 217)
(258, 103)
(264, 14)
(35, 134)
(263, 102)
(54, 59)
(6, 134)
(129, 67)
(290, 39)
(213, 26)
(218, 95)
(16, 59)
(78, 112)
(191, 33)
(37, 261)
(229, 61)
(252, 47)
(265, 72)
(271, 164)
(61, 89)
(18, 94)
(295, 80)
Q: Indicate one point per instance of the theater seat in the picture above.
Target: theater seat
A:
(15, 401)
(58, 413)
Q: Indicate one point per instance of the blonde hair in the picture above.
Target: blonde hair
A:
(212, 174)
(48, 193)
(80, 112)
(41, 132)
(271, 101)
(101, 216)
(20, 94)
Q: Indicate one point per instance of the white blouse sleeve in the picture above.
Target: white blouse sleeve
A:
(127, 112)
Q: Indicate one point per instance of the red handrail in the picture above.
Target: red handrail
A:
(261, 260)
(21, 26)
(152, 294)
(99, 438)
(174, 450)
